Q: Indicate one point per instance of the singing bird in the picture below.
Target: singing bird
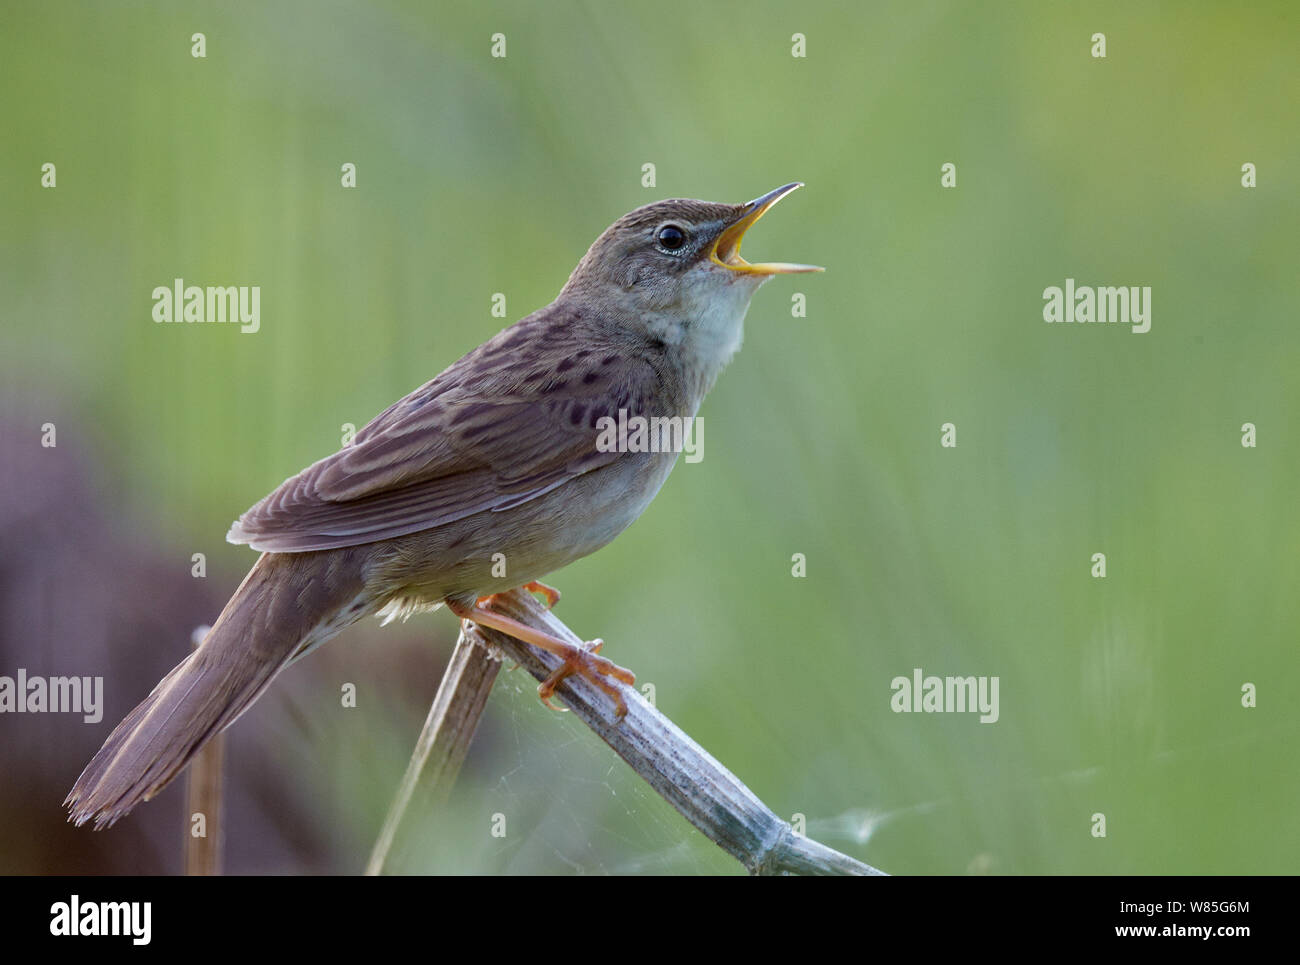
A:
(497, 455)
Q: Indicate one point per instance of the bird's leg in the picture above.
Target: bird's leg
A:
(552, 597)
(582, 661)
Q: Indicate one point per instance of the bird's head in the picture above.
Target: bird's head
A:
(675, 267)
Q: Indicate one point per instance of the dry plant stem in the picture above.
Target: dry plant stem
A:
(706, 793)
(446, 736)
(203, 796)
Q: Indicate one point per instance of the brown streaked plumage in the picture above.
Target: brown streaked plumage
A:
(496, 455)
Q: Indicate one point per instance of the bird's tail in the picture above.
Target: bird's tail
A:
(288, 603)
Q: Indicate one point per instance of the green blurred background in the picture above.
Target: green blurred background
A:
(478, 175)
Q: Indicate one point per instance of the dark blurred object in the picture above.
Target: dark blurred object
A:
(84, 593)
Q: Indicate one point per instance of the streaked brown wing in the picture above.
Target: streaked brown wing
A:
(496, 429)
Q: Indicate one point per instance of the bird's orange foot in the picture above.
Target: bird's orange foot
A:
(582, 661)
(551, 593)
(592, 668)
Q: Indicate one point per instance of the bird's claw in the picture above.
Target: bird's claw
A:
(551, 593)
(586, 664)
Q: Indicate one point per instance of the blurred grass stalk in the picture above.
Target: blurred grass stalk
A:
(203, 789)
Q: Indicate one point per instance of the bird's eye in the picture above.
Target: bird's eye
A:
(671, 237)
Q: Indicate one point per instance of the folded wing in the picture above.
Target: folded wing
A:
(495, 430)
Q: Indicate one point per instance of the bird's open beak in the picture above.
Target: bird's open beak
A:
(726, 250)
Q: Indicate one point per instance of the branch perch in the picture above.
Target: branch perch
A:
(444, 741)
(683, 773)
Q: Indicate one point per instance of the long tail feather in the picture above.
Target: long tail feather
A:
(286, 605)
